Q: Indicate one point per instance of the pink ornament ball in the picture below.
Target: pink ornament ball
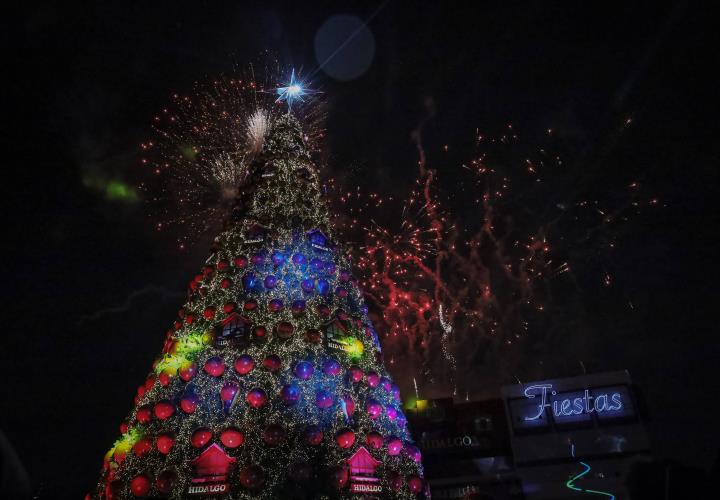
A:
(373, 408)
(394, 446)
(413, 452)
(373, 379)
(391, 413)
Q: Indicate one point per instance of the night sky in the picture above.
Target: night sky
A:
(90, 288)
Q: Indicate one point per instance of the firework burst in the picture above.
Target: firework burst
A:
(479, 289)
(202, 146)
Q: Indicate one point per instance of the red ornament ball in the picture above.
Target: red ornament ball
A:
(374, 440)
(250, 305)
(164, 379)
(164, 410)
(284, 330)
(229, 307)
(272, 363)
(123, 428)
(187, 371)
(201, 437)
(140, 485)
(232, 438)
(415, 484)
(274, 435)
(214, 366)
(189, 403)
(240, 262)
(340, 477)
(144, 415)
(209, 313)
(355, 374)
(260, 332)
(349, 405)
(345, 438)
(395, 480)
(256, 398)
(142, 447)
(164, 443)
(313, 435)
(313, 336)
(229, 391)
(244, 364)
(166, 481)
(252, 477)
(300, 471)
(225, 283)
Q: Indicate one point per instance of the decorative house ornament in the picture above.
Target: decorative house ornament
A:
(211, 470)
(318, 240)
(255, 234)
(362, 472)
(233, 330)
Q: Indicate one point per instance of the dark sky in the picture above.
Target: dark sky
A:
(82, 82)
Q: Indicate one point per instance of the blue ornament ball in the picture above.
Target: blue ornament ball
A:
(270, 281)
(303, 370)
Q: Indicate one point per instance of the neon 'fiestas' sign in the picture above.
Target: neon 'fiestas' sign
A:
(602, 402)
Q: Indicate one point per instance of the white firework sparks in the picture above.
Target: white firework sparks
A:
(258, 125)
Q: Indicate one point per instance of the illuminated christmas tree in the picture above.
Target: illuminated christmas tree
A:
(271, 382)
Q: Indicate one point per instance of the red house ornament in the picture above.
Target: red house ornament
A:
(212, 467)
(362, 472)
(233, 331)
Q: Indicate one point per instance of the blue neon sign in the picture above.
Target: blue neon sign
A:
(572, 406)
(542, 401)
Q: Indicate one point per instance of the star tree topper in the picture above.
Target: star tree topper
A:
(295, 90)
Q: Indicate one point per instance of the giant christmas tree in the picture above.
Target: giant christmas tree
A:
(271, 381)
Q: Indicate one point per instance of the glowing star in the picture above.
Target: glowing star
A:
(295, 90)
